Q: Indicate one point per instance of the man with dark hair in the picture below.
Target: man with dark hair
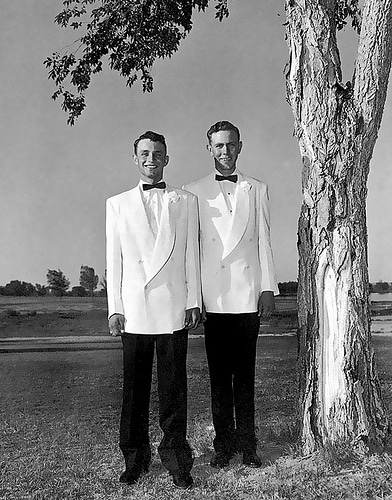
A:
(152, 136)
(154, 297)
(239, 284)
(223, 126)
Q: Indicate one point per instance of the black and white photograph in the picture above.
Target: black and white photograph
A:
(195, 263)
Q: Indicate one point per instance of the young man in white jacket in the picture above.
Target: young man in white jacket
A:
(238, 284)
(154, 297)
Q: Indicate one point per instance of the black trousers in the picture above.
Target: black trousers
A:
(138, 355)
(230, 341)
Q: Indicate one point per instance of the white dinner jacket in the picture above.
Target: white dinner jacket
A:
(152, 280)
(236, 257)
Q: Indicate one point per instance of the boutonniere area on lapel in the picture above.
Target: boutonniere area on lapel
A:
(173, 197)
(246, 186)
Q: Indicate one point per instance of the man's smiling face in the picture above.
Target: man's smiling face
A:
(151, 159)
(225, 147)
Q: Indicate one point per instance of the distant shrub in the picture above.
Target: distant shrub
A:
(288, 287)
(67, 315)
(18, 288)
(78, 291)
(11, 313)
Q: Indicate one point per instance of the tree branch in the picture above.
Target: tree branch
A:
(373, 63)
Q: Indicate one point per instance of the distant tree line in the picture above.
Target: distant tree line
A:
(58, 285)
(288, 287)
(291, 287)
(381, 287)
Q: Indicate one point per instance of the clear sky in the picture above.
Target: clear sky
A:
(55, 178)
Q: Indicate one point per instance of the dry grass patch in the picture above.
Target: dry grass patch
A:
(59, 432)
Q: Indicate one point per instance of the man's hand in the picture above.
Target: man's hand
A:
(266, 305)
(116, 324)
(192, 318)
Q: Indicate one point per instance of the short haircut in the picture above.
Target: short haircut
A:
(222, 125)
(153, 136)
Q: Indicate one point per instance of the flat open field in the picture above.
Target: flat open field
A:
(84, 304)
(74, 316)
(51, 304)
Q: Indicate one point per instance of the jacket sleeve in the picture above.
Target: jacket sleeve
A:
(192, 264)
(114, 267)
(268, 273)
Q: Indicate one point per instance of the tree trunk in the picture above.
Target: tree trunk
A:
(336, 126)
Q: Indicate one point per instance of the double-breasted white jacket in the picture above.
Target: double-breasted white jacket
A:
(235, 248)
(152, 280)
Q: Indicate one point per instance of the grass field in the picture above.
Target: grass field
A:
(75, 316)
(51, 304)
(59, 426)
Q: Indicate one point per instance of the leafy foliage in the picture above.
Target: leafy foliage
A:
(132, 34)
(222, 10)
(78, 291)
(19, 289)
(41, 290)
(57, 282)
(104, 284)
(88, 279)
(288, 287)
(346, 9)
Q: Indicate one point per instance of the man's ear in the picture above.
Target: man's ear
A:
(167, 158)
(209, 149)
(239, 147)
(135, 159)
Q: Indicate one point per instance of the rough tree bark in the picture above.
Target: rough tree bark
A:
(336, 125)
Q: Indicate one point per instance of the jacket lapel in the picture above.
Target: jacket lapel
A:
(220, 218)
(164, 242)
(240, 217)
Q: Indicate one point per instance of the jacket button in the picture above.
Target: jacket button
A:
(222, 266)
(213, 239)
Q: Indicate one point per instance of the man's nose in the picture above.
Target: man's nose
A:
(225, 149)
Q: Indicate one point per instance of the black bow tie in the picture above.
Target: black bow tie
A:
(159, 185)
(231, 178)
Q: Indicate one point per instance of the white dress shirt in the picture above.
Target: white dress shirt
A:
(152, 200)
(229, 190)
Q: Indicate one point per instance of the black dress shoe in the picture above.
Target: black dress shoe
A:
(251, 459)
(132, 476)
(129, 478)
(182, 481)
(220, 460)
